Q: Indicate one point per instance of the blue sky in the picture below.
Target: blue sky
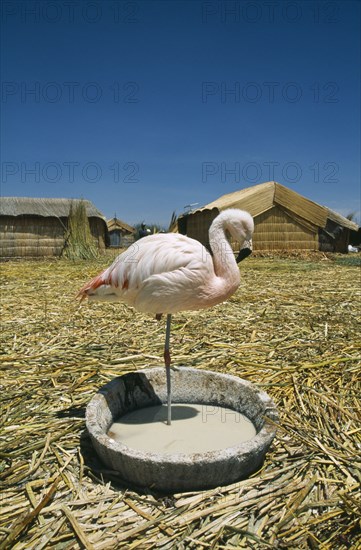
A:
(144, 107)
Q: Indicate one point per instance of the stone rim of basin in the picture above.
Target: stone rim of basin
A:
(266, 430)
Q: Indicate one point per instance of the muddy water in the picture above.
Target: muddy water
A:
(195, 429)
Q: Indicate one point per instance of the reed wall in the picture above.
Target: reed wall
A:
(197, 225)
(37, 236)
(277, 230)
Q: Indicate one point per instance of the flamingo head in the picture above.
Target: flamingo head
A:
(240, 225)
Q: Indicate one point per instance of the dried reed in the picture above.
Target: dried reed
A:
(292, 328)
(79, 242)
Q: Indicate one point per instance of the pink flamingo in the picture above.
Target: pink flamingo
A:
(169, 272)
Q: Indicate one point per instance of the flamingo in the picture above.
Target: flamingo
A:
(167, 272)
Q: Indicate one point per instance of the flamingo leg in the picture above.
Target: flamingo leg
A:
(167, 369)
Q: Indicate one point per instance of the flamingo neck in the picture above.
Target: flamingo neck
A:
(224, 262)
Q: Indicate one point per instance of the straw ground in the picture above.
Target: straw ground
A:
(292, 328)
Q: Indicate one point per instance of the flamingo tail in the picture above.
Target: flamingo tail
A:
(99, 288)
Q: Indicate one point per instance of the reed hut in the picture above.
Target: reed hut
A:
(33, 228)
(121, 235)
(284, 220)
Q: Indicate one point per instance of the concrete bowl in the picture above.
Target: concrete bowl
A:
(179, 472)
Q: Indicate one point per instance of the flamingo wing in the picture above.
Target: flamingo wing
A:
(178, 290)
(156, 271)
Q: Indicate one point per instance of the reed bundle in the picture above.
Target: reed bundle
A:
(79, 242)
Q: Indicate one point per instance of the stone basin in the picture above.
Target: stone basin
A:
(171, 472)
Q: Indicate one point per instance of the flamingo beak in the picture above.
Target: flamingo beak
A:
(245, 251)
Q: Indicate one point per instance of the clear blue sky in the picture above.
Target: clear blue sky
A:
(144, 107)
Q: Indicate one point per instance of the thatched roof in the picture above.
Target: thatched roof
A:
(341, 220)
(260, 198)
(59, 208)
(116, 223)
